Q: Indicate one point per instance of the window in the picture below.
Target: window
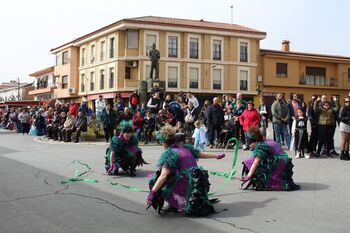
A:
(65, 57)
(127, 72)
(102, 50)
(216, 49)
(64, 82)
(281, 69)
(92, 81)
(348, 73)
(83, 55)
(217, 79)
(194, 48)
(132, 39)
(172, 77)
(172, 46)
(102, 79)
(58, 59)
(315, 76)
(93, 53)
(194, 77)
(111, 77)
(111, 47)
(243, 80)
(150, 40)
(243, 52)
(82, 82)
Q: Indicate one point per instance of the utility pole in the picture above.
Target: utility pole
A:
(231, 14)
(18, 84)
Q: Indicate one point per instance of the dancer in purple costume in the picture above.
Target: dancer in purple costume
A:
(179, 181)
(269, 167)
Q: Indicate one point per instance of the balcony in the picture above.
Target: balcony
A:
(41, 91)
(318, 81)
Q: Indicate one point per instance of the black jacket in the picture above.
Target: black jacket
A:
(215, 115)
(81, 123)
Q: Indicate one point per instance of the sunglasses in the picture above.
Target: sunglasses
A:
(347, 101)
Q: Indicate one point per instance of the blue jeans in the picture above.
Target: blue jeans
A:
(281, 129)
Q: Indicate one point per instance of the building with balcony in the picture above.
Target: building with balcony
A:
(206, 58)
(305, 74)
(18, 93)
(44, 84)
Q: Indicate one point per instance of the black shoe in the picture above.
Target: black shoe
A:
(132, 172)
(333, 152)
(171, 209)
(76, 141)
(317, 155)
(344, 156)
(329, 155)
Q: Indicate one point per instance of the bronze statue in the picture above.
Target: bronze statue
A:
(154, 56)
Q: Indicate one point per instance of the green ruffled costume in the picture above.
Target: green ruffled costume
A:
(187, 186)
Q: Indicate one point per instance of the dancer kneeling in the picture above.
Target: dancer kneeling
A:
(269, 167)
(123, 152)
(179, 181)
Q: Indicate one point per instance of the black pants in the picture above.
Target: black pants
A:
(108, 133)
(212, 130)
(313, 139)
(25, 128)
(325, 135)
(148, 134)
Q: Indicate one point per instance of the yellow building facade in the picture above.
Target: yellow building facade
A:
(305, 74)
(206, 58)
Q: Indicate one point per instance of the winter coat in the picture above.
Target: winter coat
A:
(249, 118)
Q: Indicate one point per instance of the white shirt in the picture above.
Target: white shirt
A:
(100, 105)
(194, 101)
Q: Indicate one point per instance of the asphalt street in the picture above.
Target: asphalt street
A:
(32, 199)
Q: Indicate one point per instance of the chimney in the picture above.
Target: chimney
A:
(285, 45)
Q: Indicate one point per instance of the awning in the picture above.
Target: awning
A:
(104, 96)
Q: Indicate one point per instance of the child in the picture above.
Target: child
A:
(300, 135)
(199, 136)
(180, 135)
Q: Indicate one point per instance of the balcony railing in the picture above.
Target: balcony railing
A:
(326, 82)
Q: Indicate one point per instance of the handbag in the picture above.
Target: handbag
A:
(189, 118)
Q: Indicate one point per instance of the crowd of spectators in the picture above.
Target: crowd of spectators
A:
(307, 129)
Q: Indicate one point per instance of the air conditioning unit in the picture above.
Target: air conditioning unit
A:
(133, 64)
(71, 90)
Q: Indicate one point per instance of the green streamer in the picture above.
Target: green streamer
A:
(78, 174)
(133, 188)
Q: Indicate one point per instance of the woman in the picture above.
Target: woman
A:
(137, 124)
(344, 127)
(190, 118)
(179, 181)
(123, 152)
(250, 117)
(269, 167)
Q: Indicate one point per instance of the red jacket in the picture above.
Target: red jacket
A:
(73, 108)
(137, 122)
(249, 118)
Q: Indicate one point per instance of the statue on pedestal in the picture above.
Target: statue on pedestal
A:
(154, 56)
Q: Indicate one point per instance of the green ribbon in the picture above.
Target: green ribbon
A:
(227, 175)
(77, 174)
(133, 188)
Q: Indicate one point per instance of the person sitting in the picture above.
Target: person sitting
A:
(137, 124)
(123, 152)
(179, 181)
(269, 167)
(67, 126)
(80, 125)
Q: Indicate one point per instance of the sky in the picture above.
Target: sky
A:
(30, 28)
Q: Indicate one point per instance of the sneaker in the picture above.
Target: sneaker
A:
(297, 156)
(244, 147)
(307, 156)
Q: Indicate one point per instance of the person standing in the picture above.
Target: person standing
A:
(108, 119)
(193, 99)
(215, 120)
(280, 118)
(154, 56)
(100, 105)
(344, 116)
(134, 100)
(24, 118)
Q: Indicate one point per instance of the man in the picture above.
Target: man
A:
(79, 125)
(108, 119)
(154, 104)
(67, 126)
(280, 118)
(193, 99)
(83, 108)
(215, 120)
(134, 100)
(154, 56)
(100, 105)
(73, 108)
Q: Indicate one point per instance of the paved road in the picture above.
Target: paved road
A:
(33, 200)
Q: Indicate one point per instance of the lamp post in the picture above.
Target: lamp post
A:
(231, 14)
